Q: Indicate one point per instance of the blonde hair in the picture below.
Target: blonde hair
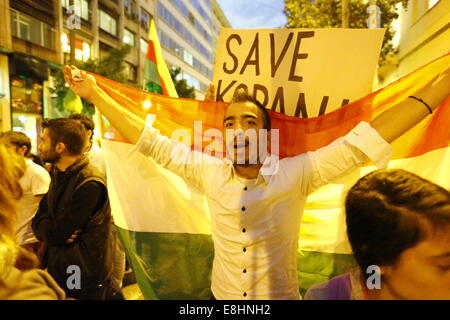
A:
(12, 168)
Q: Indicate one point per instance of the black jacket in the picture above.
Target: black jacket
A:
(77, 200)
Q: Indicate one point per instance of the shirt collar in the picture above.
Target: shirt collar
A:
(269, 167)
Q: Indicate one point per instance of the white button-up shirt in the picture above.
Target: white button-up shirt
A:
(256, 223)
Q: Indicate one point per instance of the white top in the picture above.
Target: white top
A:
(34, 182)
(96, 158)
(256, 223)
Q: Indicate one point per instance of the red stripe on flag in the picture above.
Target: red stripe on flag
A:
(151, 53)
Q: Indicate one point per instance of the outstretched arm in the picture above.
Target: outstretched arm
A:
(128, 124)
(170, 154)
(394, 122)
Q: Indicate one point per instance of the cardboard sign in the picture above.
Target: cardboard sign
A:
(298, 72)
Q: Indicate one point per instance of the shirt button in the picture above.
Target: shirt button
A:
(244, 271)
(243, 230)
(243, 208)
(245, 294)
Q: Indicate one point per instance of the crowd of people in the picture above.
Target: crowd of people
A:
(55, 216)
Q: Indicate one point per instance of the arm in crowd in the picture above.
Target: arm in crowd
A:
(174, 156)
(128, 124)
(317, 168)
(369, 141)
(394, 122)
(59, 230)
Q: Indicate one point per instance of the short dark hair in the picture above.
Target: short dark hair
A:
(85, 120)
(242, 95)
(18, 139)
(68, 131)
(389, 211)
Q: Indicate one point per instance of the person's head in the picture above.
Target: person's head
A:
(62, 137)
(245, 113)
(12, 168)
(88, 124)
(19, 141)
(401, 222)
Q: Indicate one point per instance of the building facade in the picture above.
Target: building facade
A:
(188, 31)
(423, 34)
(37, 37)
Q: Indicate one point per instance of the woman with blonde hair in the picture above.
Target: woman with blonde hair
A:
(33, 284)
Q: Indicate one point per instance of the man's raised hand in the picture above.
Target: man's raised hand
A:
(80, 82)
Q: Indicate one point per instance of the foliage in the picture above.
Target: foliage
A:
(183, 90)
(327, 14)
(111, 67)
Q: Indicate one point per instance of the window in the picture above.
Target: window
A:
(128, 37)
(191, 81)
(81, 7)
(131, 10)
(188, 58)
(190, 16)
(145, 19)
(82, 48)
(184, 54)
(144, 46)
(31, 29)
(185, 33)
(107, 23)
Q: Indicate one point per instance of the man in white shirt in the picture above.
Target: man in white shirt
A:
(34, 184)
(256, 210)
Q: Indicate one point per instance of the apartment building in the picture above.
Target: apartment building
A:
(423, 34)
(188, 31)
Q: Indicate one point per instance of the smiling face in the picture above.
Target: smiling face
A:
(242, 123)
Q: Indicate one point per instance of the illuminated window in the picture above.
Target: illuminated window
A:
(82, 48)
(144, 46)
(107, 22)
(128, 37)
(65, 42)
(81, 6)
(188, 57)
(86, 51)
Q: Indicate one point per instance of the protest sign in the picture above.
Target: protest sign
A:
(298, 72)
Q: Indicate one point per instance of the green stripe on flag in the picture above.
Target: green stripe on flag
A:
(170, 266)
(177, 266)
(151, 75)
(316, 267)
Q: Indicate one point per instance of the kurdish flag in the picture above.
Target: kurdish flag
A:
(156, 74)
(164, 222)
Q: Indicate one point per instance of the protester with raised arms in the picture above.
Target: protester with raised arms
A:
(256, 206)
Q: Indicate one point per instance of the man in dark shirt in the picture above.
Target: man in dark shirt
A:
(74, 218)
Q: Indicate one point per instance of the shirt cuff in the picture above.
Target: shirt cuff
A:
(144, 142)
(369, 141)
